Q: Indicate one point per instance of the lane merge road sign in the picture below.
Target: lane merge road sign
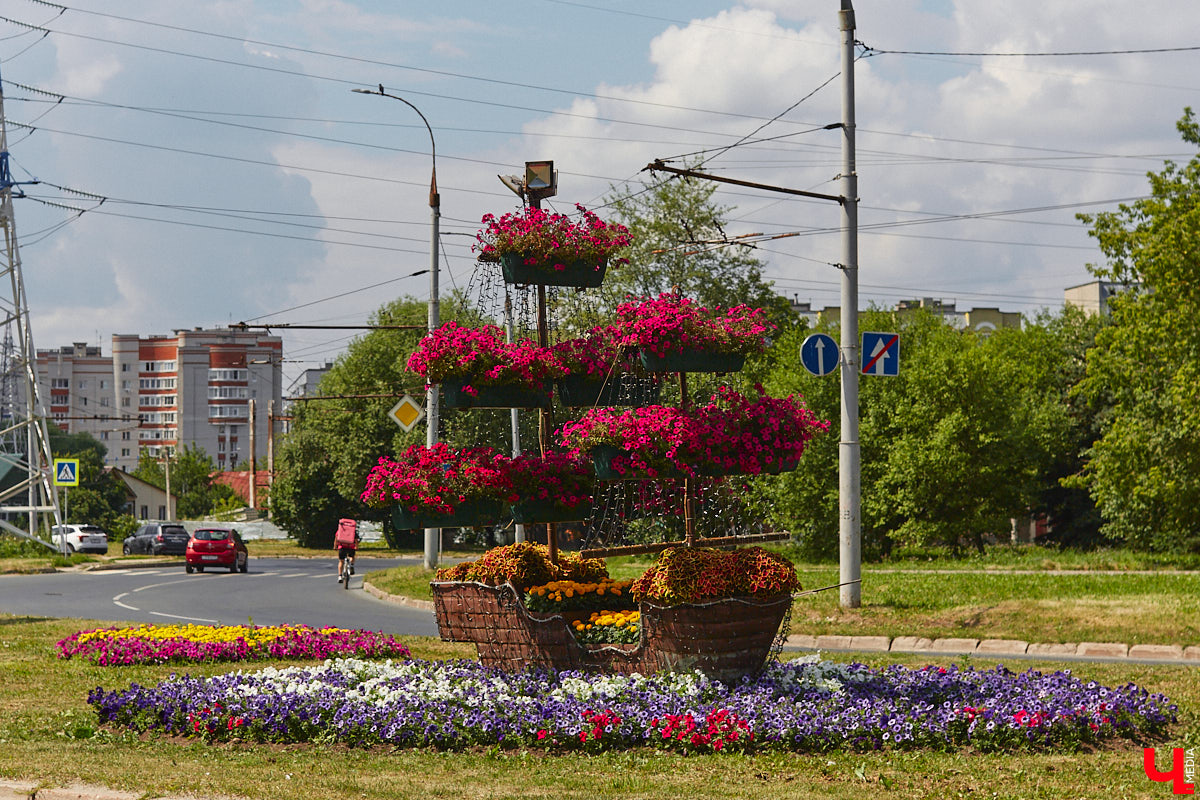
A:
(880, 354)
(819, 354)
(66, 472)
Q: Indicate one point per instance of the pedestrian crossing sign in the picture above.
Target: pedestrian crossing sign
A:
(66, 472)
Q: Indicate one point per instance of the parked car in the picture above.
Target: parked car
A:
(81, 538)
(216, 547)
(158, 539)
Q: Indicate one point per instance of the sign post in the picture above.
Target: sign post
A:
(66, 474)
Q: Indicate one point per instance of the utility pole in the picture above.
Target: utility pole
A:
(253, 456)
(270, 449)
(849, 452)
(170, 511)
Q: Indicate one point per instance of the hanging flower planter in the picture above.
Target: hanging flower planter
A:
(533, 512)
(471, 514)
(614, 464)
(693, 360)
(519, 268)
(464, 393)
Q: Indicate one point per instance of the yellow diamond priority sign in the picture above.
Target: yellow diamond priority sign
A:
(407, 413)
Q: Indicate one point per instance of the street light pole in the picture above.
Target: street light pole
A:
(432, 535)
(849, 452)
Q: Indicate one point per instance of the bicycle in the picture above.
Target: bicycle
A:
(346, 573)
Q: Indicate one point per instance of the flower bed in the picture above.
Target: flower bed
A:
(801, 706)
(185, 644)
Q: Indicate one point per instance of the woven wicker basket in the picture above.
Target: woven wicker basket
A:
(725, 639)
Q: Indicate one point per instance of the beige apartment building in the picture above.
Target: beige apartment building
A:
(160, 393)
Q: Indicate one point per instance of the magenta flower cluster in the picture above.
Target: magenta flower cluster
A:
(290, 642)
(672, 323)
(598, 354)
(731, 434)
(439, 479)
(481, 356)
(560, 480)
(436, 480)
(542, 237)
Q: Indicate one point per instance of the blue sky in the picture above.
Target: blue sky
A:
(244, 181)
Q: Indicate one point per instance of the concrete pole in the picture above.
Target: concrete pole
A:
(253, 455)
(433, 536)
(849, 454)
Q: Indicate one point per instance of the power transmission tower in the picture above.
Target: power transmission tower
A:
(27, 468)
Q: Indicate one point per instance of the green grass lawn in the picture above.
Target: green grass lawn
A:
(48, 736)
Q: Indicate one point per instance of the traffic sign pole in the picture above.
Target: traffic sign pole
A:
(849, 453)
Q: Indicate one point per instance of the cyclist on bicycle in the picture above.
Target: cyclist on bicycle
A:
(346, 541)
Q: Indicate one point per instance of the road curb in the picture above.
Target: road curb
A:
(1115, 652)
(397, 599)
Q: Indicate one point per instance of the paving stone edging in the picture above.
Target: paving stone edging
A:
(996, 647)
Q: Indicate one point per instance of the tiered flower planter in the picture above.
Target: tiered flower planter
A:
(726, 639)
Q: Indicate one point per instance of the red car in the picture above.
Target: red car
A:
(216, 547)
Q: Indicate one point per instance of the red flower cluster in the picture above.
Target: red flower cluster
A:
(672, 323)
(694, 574)
(731, 434)
(600, 722)
(543, 237)
(435, 480)
(482, 356)
(721, 727)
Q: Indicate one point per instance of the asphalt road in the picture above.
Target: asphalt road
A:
(275, 591)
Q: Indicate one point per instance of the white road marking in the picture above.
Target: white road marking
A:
(189, 619)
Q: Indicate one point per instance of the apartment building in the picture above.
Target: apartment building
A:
(981, 320)
(160, 393)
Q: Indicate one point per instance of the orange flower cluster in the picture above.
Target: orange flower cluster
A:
(525, 564)
(690, 575)
(576, 596)
(610, 627)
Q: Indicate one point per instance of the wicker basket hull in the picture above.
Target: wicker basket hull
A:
(726, 639)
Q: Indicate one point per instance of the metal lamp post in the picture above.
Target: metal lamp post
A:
(432, 535)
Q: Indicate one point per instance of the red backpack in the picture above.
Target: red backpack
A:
(346, 535)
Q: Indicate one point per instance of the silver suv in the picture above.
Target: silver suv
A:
(158, 539)
(81, 538)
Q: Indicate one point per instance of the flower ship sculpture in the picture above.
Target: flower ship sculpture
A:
(697, 607)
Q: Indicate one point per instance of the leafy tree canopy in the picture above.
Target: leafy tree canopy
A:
(1144, 471)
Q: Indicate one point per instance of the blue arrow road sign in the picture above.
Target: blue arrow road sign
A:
(819, 354)
(881, 354)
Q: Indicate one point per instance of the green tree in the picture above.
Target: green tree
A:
(322, 465)
(1144, 471)
(951, 449)
(100, 497)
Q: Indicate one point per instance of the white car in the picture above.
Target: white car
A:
(81, 538)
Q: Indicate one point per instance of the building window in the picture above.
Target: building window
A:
(162, 512)
(104, 402)
(124, 368)
(60, 383)
(83, 384)
(103, 384)
(125, 454)
(145, 512)
(215, 375)
(158, 366)
(125, 435)
(104, 436)
(126, 385)
(156, 383)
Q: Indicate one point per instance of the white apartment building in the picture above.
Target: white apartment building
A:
(160, 393)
